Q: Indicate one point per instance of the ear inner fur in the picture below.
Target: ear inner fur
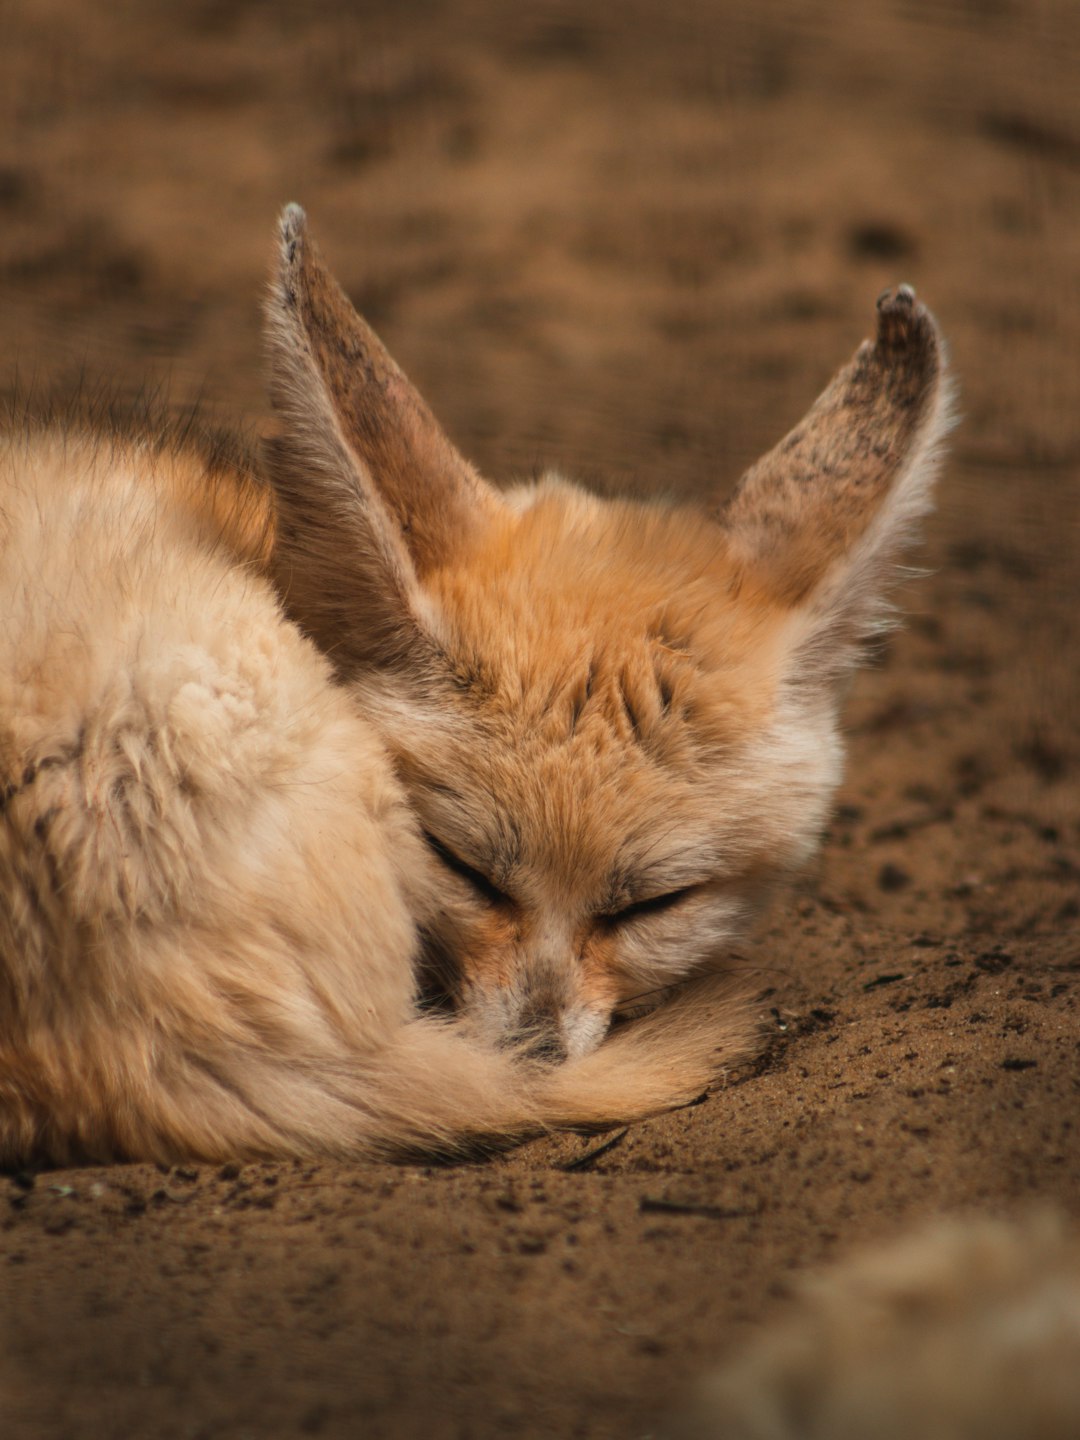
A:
(343, 574)
(433, 495)
(803, 507)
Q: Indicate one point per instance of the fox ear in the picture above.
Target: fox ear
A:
(817, 523)
(371, 495)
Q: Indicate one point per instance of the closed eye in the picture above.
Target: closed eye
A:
(476, 878)
(655, 905)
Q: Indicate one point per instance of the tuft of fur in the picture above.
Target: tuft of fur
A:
(968, 1329)
(359, 806)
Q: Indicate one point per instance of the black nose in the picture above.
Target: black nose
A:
(546, 1045)
(538, 1034)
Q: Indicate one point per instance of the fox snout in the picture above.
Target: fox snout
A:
(541, 1012)
(554, 1021)
(539, 1033)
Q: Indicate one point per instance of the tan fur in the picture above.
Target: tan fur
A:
(968, 1329)
(508, 767)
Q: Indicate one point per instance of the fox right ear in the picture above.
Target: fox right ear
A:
(815, 526)
(370, 493)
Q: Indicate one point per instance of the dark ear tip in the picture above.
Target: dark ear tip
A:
(902, 298)
(293, 225)
(904, 323)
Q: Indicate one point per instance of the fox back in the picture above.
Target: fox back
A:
(351, 803)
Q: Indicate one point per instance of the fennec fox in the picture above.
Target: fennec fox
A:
(338, 806)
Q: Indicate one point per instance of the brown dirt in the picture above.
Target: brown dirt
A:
(632, 243)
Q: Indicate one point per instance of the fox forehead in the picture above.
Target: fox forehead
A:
(580, 824)
(571, 613)
(598, 670)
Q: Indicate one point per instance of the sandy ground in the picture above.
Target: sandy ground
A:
(631, 242)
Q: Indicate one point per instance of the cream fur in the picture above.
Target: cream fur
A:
(281, 767)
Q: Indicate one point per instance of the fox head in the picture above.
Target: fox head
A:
(617, 721)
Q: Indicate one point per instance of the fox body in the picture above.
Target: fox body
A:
(346, 802)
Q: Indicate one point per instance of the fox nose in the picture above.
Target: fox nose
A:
(548, 1047)
(538, 1032)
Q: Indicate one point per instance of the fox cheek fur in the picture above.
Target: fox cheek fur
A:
(329, 806)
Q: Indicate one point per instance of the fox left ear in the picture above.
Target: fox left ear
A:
(371, 495)
(815, 526)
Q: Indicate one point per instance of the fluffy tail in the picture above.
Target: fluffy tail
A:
(668, 1058)
(428, 1090)
(432, 1091)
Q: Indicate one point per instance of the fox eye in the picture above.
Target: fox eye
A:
(476, 878)
(655, 905)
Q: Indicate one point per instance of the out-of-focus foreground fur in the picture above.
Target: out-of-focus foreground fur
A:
(352, 804)
(966, 1330)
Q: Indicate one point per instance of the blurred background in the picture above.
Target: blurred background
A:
(631, 239)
